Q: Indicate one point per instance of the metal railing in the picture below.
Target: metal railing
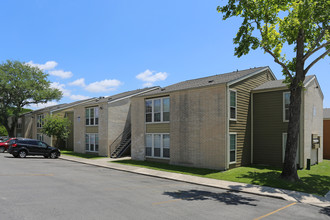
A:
(126, 134)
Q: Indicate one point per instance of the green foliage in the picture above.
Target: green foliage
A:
(57, 126)
(272, 24)
(3, 131)
(22, 85)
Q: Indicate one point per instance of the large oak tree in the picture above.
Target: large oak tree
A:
(273, 25)
(22, 85)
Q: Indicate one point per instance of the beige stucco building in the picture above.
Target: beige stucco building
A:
(97, 124)
(212, 122)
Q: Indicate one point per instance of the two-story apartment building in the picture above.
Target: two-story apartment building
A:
(201, 123)
(270, 123)
(98, 125)
(210, 122)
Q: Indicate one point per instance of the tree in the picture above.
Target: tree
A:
(22, 85)
(300, 26)
(55, 125)
(3, 131)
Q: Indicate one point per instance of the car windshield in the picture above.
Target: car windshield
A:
(12, 141)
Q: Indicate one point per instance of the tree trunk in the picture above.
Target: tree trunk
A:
(289, 171)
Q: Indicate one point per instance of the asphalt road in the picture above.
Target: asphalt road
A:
(37, 188)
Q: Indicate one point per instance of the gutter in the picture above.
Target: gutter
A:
(145, 91)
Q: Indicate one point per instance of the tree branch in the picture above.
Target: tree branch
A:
(279, 62)
(316, 60)
(311, 50)
(309, 53)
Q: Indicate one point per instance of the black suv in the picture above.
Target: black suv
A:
(21, 147)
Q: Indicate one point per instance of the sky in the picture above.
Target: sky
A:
(93, 48)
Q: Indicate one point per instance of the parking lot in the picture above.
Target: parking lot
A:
(39, 188)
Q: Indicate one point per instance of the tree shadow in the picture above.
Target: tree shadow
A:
(314, 184)
(325, 211)
(227, 197)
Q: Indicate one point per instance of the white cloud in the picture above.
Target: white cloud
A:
(59, 86)
(78, 97)
(150, 77)
(60, 73)
(47, 66)
(103, 86)
(78, 82)
(42, 105)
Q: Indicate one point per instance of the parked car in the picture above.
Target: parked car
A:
(5, 144)
(3, 139)
(21, 147)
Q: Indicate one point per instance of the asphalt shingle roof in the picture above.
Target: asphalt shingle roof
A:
(98, 99)
(278, 84)
(326, 113)
(206, 81)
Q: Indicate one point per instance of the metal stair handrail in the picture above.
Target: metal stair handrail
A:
(122, 137)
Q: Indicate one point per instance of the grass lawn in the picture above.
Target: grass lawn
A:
(86, 156)
(315, 181)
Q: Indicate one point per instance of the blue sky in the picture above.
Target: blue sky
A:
(103, 47)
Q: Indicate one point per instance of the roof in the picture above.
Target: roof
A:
(326, 113)
(210, 80)
(96, 99)
(278, 84)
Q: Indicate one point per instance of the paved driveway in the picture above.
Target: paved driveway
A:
(37, 188)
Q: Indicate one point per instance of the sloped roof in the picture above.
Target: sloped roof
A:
(326, 113)
(207, 81)
(96, 99)
(277, 84)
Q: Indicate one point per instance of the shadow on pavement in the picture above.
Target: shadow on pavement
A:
(227, 198)
(325, 211)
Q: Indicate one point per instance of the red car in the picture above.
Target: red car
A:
(4, 145)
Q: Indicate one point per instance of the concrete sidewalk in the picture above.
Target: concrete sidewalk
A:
(222, 184)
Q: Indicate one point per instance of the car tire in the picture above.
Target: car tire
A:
(22, 154)
(2, 149)
(53, 155)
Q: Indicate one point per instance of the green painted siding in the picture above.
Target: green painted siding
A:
(268, 127)
(92, 129)
(242, 126)
(158, 128)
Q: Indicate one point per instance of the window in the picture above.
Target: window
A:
(158, 145)
(92, 142)
(232, 147)
(42, 144)
(92, 116)
(233, 104)
(40, 121)
(286, 104)
(40, 137)
(157, 110)
(284, 139)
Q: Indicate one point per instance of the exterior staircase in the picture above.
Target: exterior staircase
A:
(121, 144)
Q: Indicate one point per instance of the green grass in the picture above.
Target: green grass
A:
(86, 156)
(315, 181)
